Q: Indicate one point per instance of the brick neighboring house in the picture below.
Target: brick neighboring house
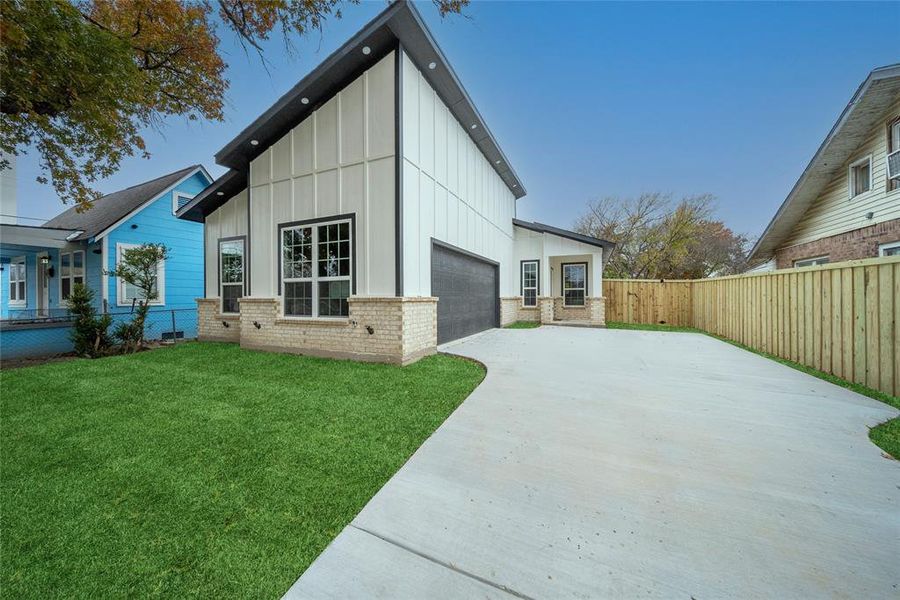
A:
(846, 204)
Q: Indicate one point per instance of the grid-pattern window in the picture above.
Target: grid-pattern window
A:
(574, 284)
(71, 272)
(317, 269)
(860, 177)
(529, 283)
(17, 281)
(128, 293)
(231, 265)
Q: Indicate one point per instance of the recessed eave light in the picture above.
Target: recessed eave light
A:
(366, 50)
(432, 66)
(254, 142)
(304, 100)
(220, 193)
(496, 162)
(474, 126)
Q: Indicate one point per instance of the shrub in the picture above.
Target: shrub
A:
(138, 267)
(89, 332)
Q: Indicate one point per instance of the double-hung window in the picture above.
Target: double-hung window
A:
(316, 269)
(893, 156)
(529, 282)
(128, 293)
(231, 274)
(861, 177)
(574, 283)
(71, 272)
(17, 281)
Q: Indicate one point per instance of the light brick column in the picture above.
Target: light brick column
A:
(597, 308)
(213, 326)
(509, 310)
(546, 305)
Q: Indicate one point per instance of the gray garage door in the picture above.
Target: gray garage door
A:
(467, 289)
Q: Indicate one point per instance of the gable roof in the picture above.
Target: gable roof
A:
(564, 233)
(110, 209)
(398, 25)
(865, 110)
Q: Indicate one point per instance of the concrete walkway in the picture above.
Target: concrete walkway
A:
(622, 464)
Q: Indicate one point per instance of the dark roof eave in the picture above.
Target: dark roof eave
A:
(207, 201)
(400, 23)
(564, 233)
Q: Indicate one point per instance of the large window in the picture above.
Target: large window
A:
(861, 177)
(71, 271)
(529, 282)
(316, 269)
(128, 294)
(231, 274)
(811, 262)
(574, 283)
(17, 281)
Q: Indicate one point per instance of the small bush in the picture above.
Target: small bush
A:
(90, 332)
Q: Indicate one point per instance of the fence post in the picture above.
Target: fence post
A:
(174, 336)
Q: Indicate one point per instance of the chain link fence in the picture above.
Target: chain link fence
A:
(39, 334)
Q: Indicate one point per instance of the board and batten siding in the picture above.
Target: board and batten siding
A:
(339, 160)
(834, 212)
(450, 190)
(229, 220)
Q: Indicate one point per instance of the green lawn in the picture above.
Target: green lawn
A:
(523, 325)
(202, 470)
(886, 435)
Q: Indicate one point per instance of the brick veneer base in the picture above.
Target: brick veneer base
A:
(212, 326)
(391, 330)
(511, 310)
(852, 245)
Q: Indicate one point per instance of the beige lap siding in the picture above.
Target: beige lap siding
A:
(392, 330)
(211, 324)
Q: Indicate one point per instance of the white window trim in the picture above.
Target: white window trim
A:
(888, 246)
(71, 275)
(315, 279)
(537, 281)
(176, 195)
(160, 299)
(18, 301)
(242, 282)
(563, 288)
(851, 178)
(810, 260)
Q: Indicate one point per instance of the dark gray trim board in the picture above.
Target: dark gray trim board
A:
(562, 286)
(344, 217)
(398, 168)
(564, 233)
(207, 201)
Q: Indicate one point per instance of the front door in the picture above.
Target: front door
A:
(43, 289)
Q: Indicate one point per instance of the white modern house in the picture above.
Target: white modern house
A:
(370, 214)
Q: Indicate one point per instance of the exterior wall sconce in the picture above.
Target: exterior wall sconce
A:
(370, 329)
(256, 324)
(225, 324)
(134, 225)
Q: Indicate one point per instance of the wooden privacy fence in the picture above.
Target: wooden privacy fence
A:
(841, 318)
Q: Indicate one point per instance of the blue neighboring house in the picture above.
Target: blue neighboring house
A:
(39, 265)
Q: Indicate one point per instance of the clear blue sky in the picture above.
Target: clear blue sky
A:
(589, 100)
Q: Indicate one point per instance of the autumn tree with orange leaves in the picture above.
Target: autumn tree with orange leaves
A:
(80, 80)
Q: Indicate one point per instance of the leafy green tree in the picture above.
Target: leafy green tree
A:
(82, 78)
(89, 332)
(138, 267)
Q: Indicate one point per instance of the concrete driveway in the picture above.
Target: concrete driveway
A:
(622, 464)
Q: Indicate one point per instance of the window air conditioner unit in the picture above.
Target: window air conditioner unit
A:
(893, 165)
